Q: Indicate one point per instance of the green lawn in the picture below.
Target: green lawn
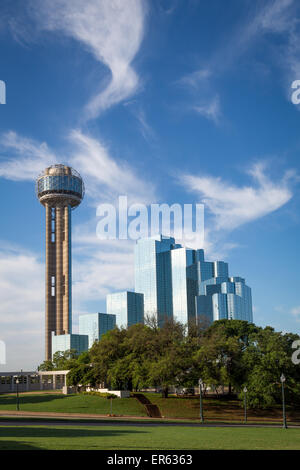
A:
(218, 409)
(72, 404)
(149, 438)
(215, 410)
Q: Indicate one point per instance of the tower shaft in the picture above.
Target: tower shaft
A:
(58, 272)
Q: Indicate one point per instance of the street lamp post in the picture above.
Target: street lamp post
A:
(17, 383)
(201, 406)
(245, 404)
(282, 380)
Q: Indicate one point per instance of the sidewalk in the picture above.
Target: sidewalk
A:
(69, 418)
(47, 414)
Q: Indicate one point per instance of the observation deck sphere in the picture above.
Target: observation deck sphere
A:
(60, 184)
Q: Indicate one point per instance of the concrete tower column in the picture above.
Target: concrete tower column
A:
(59, 233)
(50, 320)
(67, 271)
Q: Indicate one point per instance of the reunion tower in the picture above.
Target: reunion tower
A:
(60, 189)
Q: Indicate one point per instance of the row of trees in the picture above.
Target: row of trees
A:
(229, 353)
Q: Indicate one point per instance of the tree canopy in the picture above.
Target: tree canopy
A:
(229, 354)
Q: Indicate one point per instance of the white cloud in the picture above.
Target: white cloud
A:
(107, 266)
(108, 269)
(105, 178)
(274, 17)
(278, 17)
(281, 17)
(145, 128)
(195, 79)
(233, 205)
(199, 85)
(210, 110)
(296, 311)
(21, 308)
(30, 157)
(99, 266)
(111, 30)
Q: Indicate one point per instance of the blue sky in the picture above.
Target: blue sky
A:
(179, 101)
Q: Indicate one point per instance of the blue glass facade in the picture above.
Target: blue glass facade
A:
(228, 298)
(70, 341)
(220, 269)
(95, 325)
(219, 306)
(184, 284)
(204, 309)
(153, 275)
(128, 307)
(176, 282)
(60, 183)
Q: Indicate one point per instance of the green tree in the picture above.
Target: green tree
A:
(77, 375)
(166, 356)
(266, 358)
(219, 356)
(65, 360)
(46, 365)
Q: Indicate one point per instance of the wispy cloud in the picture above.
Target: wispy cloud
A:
(272, 16)
(194, 79)
(201, 97)
(111, 30)
(21, 306)
(277, 17)
(295, 311)
(107, 267)
(105, 176)
(99, 267)
(280, 17)
(23, 158)
(145, 128)
(232, 205)
(210, 110)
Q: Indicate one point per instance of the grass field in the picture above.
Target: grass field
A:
(72, 404)
(154, 438)
(218, 409)
(215, 410)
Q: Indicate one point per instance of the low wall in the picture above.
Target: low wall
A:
(118, 393)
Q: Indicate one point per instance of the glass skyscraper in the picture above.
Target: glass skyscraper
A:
(176, 282)
(95, 325)
(183, 284)
(153, 275)
(69, 341)
(230, 299)
(128, 307)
